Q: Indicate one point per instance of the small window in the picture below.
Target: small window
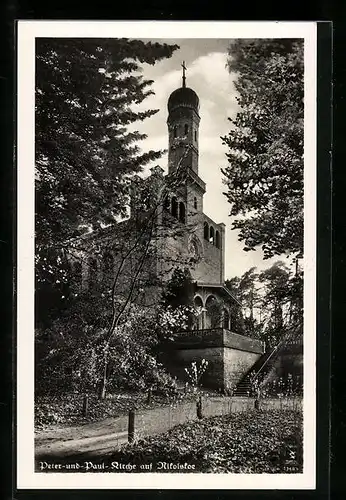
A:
(211, 235)
(186, 129)
(195, 135)
(166, 204)
(195, 203)
(217, 239)
(182, 214)
(174, 207)
(175, 131)
(206, 231)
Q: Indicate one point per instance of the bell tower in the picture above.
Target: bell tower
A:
(183, 131)
(183, 127)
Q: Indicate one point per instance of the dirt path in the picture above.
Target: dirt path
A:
(107, 435)
(102, 435)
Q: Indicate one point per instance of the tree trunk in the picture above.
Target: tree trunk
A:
(103, 382)
(102, 392)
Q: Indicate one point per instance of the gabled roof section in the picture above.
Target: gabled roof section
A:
(220, 287)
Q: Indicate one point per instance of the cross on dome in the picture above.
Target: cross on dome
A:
(184, 76)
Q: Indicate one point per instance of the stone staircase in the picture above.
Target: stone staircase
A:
(261, 368)
(244, 387)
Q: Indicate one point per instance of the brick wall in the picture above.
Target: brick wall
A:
(209, 269)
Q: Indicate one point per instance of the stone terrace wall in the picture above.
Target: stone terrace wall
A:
(230, 356)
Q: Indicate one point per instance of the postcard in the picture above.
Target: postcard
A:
(166, 255)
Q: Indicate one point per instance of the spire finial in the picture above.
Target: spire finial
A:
(184, 77)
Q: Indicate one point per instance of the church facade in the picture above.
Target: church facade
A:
(200, 241)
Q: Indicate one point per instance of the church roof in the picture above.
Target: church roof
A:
(220, 287)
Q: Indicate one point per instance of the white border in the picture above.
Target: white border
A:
(27, 32)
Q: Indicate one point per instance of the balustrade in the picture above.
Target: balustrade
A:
(221, 337)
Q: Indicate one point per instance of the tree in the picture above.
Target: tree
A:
(214, 312)
(283, 291)
(86, 90)
(276, 301)
(271, 303)
(70, 356)
(245, 289)
(264, 175)
(179, 290)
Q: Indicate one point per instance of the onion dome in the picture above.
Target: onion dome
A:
(184, 96)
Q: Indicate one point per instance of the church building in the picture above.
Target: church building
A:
(201, 242)
(184, 236)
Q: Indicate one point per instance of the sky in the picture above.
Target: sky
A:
(207, 75)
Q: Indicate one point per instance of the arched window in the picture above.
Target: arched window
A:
(210, 300)
(108, 263)
(195, 203)
(174, 207)
(175, 131)
(186, 129)
(198, 303)
(211, 235)
(166, 203)
(182, 214)
(213, 312)
(92, 277)
(206, 231)
(226, 323)
(217, 239)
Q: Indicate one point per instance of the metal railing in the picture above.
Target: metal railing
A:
(274, 351)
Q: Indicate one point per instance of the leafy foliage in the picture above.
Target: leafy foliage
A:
(178, 295)
(264, 175)
(70, 354)
(247, 442)
(179, 290)
(172, 320)
(245, 289)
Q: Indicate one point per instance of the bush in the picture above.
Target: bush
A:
(70, 355)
